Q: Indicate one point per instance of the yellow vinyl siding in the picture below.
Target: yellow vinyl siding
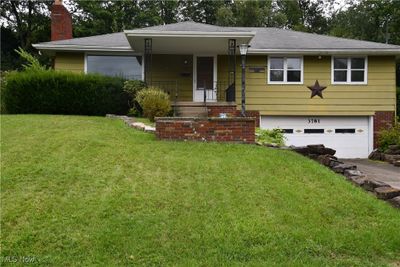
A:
(174, 68)
(70, 61)
(286, 99)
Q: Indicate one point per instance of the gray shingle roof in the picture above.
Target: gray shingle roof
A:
(265, 38)
(194, 26)
(273, 38)
(111, 40)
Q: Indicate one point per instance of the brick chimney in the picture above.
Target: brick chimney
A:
(61, 22)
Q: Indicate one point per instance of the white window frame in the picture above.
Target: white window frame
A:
(285, 69)
(348, 71)
(114, 54)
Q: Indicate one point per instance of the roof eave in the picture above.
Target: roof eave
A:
(81, 48)
(348, 51)
(138, 33)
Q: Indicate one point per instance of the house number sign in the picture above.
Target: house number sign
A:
(313, 121)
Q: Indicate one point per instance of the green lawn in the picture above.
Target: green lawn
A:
(92, 191)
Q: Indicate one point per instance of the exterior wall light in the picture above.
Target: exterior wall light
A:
(243, 48)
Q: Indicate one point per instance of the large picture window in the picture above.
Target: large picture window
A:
(126, 66)
(285, 70)
(349, 70)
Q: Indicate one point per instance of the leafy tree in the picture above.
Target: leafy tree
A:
(257, 13)
(32, 64)
(23, 23)
(369, 20)
(204, 11)
(304, 15)
(100, 17)
(249, 14)
(225, 16)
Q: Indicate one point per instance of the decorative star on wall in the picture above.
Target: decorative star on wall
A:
(316, 89)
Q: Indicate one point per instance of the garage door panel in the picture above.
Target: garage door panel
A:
(349, 136)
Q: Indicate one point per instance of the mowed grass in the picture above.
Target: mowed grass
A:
(82, 191)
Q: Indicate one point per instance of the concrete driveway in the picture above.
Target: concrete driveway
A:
(380, 171)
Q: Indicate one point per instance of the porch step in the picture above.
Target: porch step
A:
(201, 104)
(198, 109)
(191, 111)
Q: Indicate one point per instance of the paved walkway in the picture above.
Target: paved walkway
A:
(380, 171)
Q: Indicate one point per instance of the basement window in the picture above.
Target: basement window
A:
(125, 66)
(287, 131)
(349, 70)
(314, 131)
(344, 131)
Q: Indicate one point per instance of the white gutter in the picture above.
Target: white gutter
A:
(82, 47)
(324, 51)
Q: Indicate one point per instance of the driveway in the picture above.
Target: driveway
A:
(380, 171)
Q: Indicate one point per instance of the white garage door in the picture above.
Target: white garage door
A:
(351, 137)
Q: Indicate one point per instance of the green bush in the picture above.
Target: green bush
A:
(3, 81)
(33, 63)
(388, 137)
(274, 136)
(56, 92)
(398, 102)
(132, 87)
(154, 102)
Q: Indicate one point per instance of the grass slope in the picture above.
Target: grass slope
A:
(91, 191)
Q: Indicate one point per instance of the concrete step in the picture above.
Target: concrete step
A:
(191, 111)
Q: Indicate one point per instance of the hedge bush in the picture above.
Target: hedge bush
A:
(56, 92)
(398, 101)
(154, 102)
(389, 137)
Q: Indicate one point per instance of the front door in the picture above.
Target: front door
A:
(204, 79)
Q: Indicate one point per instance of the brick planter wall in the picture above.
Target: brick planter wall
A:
(235, 129)
(382, 120)
(214, 109)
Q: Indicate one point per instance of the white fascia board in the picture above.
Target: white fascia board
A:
(81, 48)
(136, 33)
(355, 51)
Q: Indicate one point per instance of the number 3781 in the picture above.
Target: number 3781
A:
(313, 121)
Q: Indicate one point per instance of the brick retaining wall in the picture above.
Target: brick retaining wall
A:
(382, 120)
(234, 129)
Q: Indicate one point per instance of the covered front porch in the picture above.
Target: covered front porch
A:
(192, 78)
(191, 66)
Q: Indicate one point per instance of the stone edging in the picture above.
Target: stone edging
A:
(380, 189)
(391, 155)
(130, 121)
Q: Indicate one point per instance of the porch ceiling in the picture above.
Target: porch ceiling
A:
(187, 43)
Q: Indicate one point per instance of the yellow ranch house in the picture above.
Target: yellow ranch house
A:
(319, 89)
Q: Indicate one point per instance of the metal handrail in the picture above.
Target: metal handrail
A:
(221, 91)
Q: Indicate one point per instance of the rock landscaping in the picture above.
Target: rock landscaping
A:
(130, 121)
(326, 157)
(391, 155)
